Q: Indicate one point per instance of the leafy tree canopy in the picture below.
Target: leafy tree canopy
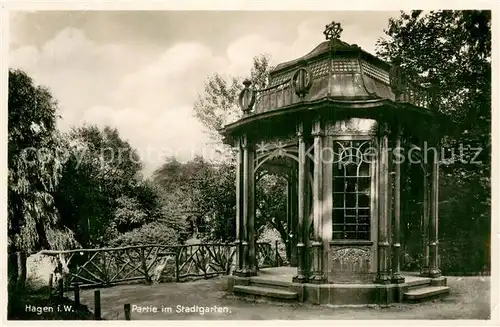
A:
(452, 51)
(34, 168)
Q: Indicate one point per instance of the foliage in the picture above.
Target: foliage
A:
(205, 192)
(216, 107)
(200, 191)
(271, 204)
(83, 188)
(219, 197)
(128, 214)
(218, 104)
(83, 201)
(34, 168)
(152, 233)
(452, 51)
(102, 192)
(271, 235)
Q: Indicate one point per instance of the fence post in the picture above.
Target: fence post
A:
(126, 308)
(144, 266)
(177, 272)
(51, 281)
(229, 261)
(61, 288)
(97, 305)
(203, 253)
(277, 255)
(76, 288)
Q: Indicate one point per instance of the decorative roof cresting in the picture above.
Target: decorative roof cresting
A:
(333, 31)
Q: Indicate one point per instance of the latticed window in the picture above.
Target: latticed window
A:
(351, 190)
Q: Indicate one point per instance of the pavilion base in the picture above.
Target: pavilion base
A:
(276, 284)
(245, 273)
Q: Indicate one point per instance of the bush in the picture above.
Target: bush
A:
(152, 233)
(270, 235)
(462, 256)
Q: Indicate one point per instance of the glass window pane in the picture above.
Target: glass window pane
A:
(363, 235)
(338, 216)
(350, 228)
(363, 228)
(350, 200)
(338, 200)
(338, 235)
(363, 200)
(364, 220)
(338, 184)
(350, 235)
(364, 169)
(364, 212)
(351, 168)
(350, 220)
(350, 212)
(364, 184)
(351, 185)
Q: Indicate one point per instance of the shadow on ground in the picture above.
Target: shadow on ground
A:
(469, 299)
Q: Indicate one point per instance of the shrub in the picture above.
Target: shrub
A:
(152, 233)
(270, 235)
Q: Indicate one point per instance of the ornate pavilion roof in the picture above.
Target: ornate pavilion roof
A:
(322, 48)
(335, 72)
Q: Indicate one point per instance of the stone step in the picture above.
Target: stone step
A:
(418, 283)
(425, 292)
(264, 292)
(268, 283)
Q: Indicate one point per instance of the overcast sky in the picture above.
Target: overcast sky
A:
(141, 71)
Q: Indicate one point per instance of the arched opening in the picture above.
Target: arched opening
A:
(276, 201)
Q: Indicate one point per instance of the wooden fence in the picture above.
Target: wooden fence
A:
(91, 268)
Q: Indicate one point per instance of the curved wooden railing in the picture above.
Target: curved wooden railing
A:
(414, 90)
(418, 95)
(152, 263)
(275, 96)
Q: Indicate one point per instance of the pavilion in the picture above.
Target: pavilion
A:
(348, 131)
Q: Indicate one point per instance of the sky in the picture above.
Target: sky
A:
(142, 71)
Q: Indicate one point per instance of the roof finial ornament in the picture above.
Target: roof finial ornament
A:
(333, 31)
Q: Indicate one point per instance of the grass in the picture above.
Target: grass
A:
(469, 299)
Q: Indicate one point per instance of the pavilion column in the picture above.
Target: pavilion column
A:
(292, 217)
(239, 206)
(318, 275)
(248, 241)
(289, 221)
(303, 210)
(383, 269)
(396, 245)
(424, 269)
(434, 270)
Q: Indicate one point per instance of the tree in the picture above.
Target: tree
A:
(218, 196)
(452, 51)
(190, 190)
(218, 104)
(100, 169)
(34, 165)
(151, 233)
(82, 198)
(205, 192)
(271, 203)
(102, 193)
